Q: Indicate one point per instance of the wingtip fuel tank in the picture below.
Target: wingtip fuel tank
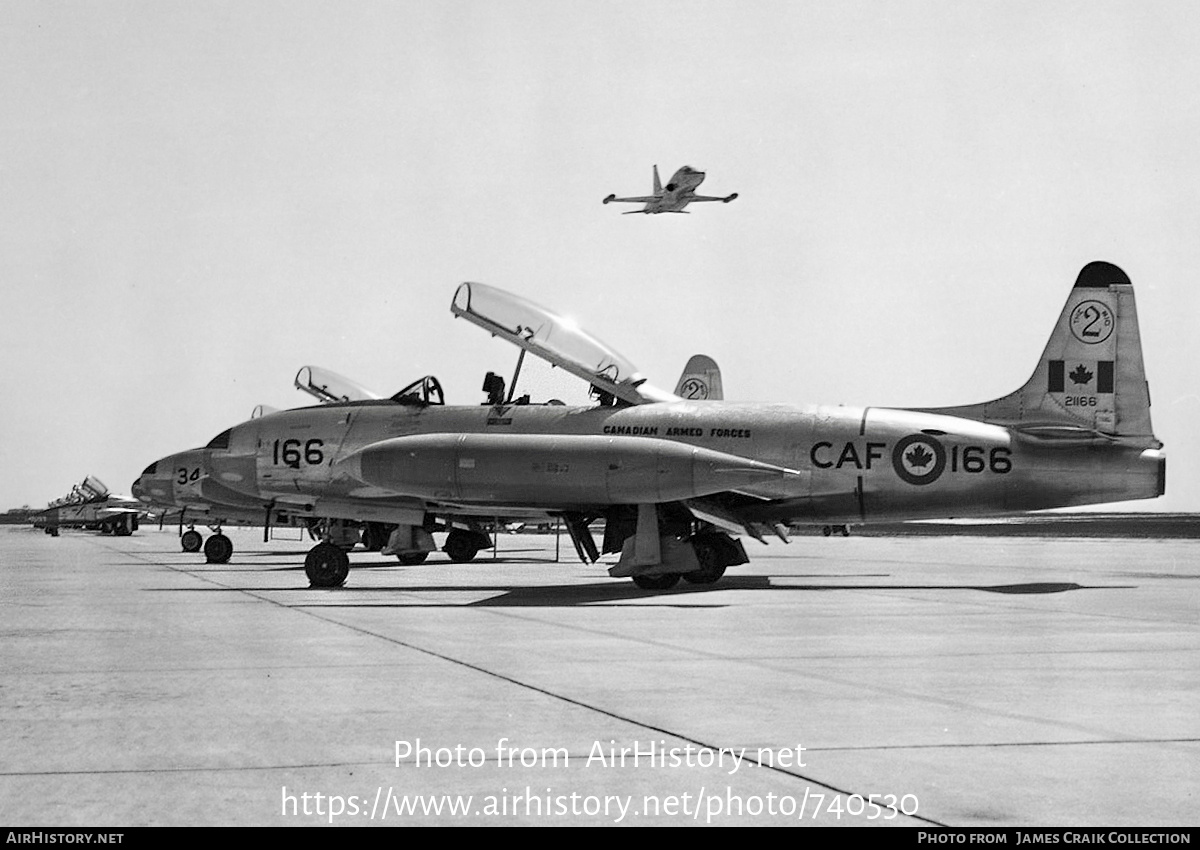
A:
(553, 469)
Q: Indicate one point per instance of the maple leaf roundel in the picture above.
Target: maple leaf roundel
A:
(919, 459)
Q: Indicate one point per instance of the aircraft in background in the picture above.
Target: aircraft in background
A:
(89, 505)
(180, 488)
(676, 480)
(677, 194)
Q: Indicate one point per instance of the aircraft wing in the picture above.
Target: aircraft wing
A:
(114, 510)
(726, 199)
(554, 339)
(644, 199)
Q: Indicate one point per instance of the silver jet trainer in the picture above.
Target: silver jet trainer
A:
(672, 198)
(674, 479)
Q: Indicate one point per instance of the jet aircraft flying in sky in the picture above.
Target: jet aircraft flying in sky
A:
(672, 198)
(678, 480)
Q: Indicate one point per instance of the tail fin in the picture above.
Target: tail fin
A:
(1090, 383)
(701, 380)
(657, 182)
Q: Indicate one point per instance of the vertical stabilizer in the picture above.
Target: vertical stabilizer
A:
(1090, 381)
(701, 380)
(657, 182)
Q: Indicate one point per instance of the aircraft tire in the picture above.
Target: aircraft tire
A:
(711, 568)
(827, 530)
(460, 547)
(218, 549)
(326, 566)
(411, 559)
(660, 582)
(845, 531)
(191, 540)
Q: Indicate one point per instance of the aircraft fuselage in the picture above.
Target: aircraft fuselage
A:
(845, 464)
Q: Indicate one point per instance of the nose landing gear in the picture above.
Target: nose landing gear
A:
(326, 565)
(218, 549)
(191, 540)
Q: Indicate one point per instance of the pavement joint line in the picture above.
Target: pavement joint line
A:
(508, 613)
(581, 756)
(194, 769)
(821, 677)
(1006, 744)
(527, 686)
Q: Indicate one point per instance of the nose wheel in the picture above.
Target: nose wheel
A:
(326, 566)
(190, 540)
(218, 549)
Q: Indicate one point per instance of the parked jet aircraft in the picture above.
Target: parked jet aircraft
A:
(181, 486)
(677, 194)
(89, 505)
(675, 478)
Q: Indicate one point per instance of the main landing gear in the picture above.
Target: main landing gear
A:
(714, 552)
(463, 545)
(843, 530)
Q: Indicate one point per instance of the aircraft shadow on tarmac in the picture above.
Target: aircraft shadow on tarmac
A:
(611, 592)
(553, 596)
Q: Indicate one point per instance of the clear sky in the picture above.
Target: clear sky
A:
(198, 198)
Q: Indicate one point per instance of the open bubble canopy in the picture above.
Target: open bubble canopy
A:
(555, 339)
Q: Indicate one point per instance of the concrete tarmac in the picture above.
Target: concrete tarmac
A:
(925, 681)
